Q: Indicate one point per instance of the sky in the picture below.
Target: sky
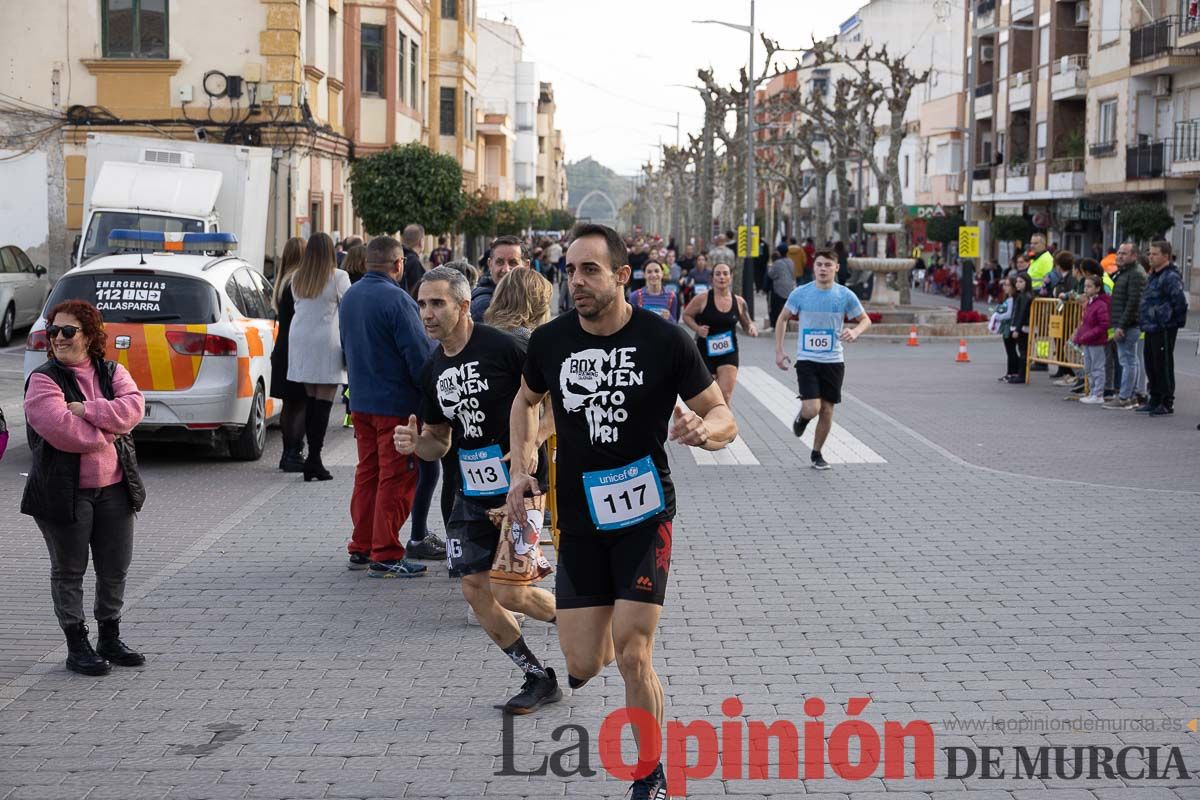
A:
(614, 65)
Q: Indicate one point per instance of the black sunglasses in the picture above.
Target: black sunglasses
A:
(67, 331)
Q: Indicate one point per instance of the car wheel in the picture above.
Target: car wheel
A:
(249, 445)
(6, 326)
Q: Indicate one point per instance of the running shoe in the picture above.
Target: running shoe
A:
(1065, 381)
(397, 568)
(1145, 408)
(431, 548)
(1092, 400)
(820, 463)
(359, 561)
(651, 787)
(1118, 404)
(535, 693)
(799, 424)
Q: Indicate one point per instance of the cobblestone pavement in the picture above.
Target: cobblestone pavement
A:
(1016, 561)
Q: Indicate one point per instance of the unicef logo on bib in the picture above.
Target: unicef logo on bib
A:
(621, 497)
(483, 471)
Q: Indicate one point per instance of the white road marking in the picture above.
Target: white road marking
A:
(842, 447)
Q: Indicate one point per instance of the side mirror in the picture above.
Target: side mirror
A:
(75, 250)
(39, 270)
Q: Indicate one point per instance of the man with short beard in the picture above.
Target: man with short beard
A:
(614, 373)
(506, 253)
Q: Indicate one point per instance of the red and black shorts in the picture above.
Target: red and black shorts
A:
(597, 569)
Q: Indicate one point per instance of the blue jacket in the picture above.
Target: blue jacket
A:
(385, 345)
(1164, 303)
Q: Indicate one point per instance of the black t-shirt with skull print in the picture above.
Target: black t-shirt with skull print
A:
(473, 392)
(613, 398)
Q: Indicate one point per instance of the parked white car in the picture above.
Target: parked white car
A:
(23, 291)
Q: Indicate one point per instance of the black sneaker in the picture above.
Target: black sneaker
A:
(399, 568)
(651, 787)
(799, 424)
(431, 548)
(820, 463)
(358, 561)
(1161, 411)
(535, 693)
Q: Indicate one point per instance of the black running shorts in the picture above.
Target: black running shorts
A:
(820, 380)
(471, 539)
(597, 569)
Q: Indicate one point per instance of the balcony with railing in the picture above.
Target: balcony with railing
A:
(985, 14)
(1019, 90)
(983, 100)
(1147, 160)
(1102, 149)
(1018, 177)
(1021, 9)
(1160, 39)
(1066, 174)
(1069, 77)
(1185, 148)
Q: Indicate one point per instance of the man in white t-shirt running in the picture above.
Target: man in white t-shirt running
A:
(823, 307)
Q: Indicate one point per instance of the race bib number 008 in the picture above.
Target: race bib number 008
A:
(483, 473)
(720, 344)
(619, 498)
(817, 340)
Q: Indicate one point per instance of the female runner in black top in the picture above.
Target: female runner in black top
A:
(714, 316)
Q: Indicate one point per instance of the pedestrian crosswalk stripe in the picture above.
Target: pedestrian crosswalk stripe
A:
(735, 454)
(842, 447)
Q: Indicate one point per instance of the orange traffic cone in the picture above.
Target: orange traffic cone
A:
(912, 337)
(962, 358)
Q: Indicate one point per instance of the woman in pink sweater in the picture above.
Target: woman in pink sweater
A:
(84, 487)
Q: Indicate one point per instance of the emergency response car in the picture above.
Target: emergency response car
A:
(192, 323)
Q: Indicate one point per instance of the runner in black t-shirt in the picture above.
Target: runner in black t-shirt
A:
(613, 373)
(469, 384)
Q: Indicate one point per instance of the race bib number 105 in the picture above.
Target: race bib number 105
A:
(619, 498)
(817, 340)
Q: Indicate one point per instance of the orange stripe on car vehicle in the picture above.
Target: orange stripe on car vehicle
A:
(254, 341)
(244, 389)
(134, 358)
(159, 351)
(185, 368)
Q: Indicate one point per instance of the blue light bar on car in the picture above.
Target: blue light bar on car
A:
(218, 241)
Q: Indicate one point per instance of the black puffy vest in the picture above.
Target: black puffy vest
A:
(54, 475)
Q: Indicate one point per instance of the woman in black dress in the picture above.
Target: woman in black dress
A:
(714, 316)
(291, 418)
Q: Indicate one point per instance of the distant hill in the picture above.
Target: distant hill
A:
(588, 175)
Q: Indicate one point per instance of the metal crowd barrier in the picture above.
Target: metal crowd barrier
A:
(1052, 323)
(552, 496)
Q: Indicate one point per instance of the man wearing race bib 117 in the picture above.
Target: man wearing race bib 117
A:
(823, 307)
(614, 374)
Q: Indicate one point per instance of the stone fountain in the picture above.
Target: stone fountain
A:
(881, 265)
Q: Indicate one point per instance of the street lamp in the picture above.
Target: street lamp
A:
(748, 263)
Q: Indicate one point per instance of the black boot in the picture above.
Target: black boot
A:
(292, 459)
(316, 422)
(81, 657)
(111, 647)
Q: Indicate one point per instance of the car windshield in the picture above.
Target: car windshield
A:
(105, 222)
(141, 296)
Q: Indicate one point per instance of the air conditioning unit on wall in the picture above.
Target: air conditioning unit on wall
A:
(1082, 13)
(1162, 86)
(987, 52)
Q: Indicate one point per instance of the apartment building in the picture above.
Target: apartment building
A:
(551, 169)
(1030, 107)
(1143, 126)
(509, 88)
(386, 70)
(269, 74)
(453, 93)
